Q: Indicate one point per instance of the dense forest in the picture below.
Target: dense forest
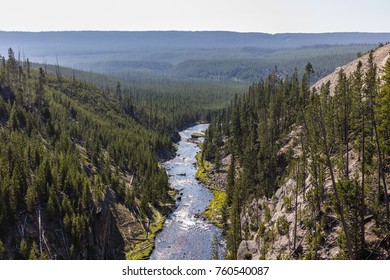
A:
(162, 103)
(258, 64)
(306, 169)
(173, 102)
(74, 161)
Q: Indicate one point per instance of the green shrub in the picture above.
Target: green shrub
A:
(261, 230)
(248, 256)
(282, 225)
(287, 202)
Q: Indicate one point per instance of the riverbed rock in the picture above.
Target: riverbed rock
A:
(175, 137)
(197, 135)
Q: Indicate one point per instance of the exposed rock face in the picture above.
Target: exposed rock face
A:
(219, 178)
(273, 243)
(380, 57)
(248, 250)
(175, 137)
(282, 227)
(106, 241)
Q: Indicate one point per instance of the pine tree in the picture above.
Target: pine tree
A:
(236, 128)
(12, 67)
(34, 252)
(23, 249)
(234, 233)
(13, 121)
(51, 208)
(40, 89)
(31, 198)
(323, 128)
(230, 181)
(3, 253)
(214, 248)
(342, 97)
(371, 91)
(357, 84)
(118, 91)
(296, 208)
(305, 85)
(384, 112)
(28, 69)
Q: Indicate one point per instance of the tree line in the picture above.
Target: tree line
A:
(330, 128)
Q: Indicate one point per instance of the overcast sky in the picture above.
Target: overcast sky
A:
(270, 16)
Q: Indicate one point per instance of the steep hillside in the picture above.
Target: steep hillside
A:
(79, 178)
(307, 171)
(381, 55)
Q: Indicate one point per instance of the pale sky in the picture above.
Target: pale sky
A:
(270, 16)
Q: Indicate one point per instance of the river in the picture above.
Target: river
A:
(186, 235)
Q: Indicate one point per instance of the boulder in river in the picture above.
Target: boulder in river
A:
(197, 135)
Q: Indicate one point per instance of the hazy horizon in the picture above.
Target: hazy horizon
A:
(194, 31)
(246, 16)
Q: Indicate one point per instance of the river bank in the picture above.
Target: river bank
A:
(186, 234)
(216, 212)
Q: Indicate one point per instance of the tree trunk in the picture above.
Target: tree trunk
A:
(380, 167)
(338, 203)
(296, 208)
(346, 138)
(382, 174)
(362, 204)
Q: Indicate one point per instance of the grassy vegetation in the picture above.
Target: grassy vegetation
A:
(197, 135)
(214, 210)
(203, 168)
(144, 248)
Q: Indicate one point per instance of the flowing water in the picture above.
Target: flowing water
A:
(186, 235)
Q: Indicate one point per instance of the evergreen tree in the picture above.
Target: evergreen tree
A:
(214, 248)
(384, 112)
(23, 249)
(233, 238)
(357, 84)
(371, 91)
(40, 89)
(31, 198)
(34, 252)
(3, 253)
(230, 181)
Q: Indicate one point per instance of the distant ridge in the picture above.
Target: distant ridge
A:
(119, 40)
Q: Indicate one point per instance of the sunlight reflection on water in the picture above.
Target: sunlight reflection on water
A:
(186, 234)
